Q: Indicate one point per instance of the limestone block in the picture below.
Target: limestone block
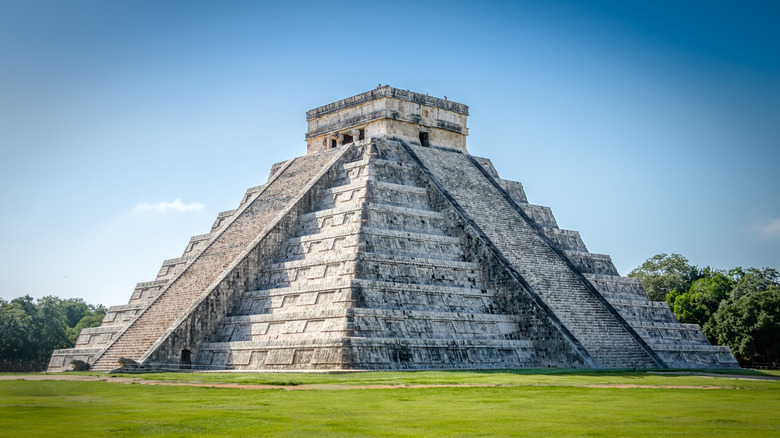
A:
(514, 189)
(222, 219)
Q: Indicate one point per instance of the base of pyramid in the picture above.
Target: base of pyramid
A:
(368, 354)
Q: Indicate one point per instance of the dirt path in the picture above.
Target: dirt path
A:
(326, 386)
(139, 381)
(627, 386)
(713, 375)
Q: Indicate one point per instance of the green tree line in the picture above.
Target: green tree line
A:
(739, 307)
(31, 329)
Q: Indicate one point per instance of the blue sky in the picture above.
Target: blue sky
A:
(125, 127)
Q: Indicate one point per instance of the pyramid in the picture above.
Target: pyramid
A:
(389, 246)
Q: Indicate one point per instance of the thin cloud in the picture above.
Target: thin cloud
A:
(770, 229)
(164, 207)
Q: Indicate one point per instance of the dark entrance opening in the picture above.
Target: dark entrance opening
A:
(333, 143)
(347, 139)
(361, 134)
(424, 139)
(185, 361)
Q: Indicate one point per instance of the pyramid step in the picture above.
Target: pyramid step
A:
(365, 257)
(319, 327)
(325, 220)
(392, 171)
(610, 284)
(420, 270)
(671, 332)
(365, 284)
(172, 267)
(147, 291)
(374, 240)
(412, 244)
(364, 342)
(320, 214)
(97, 337)
(398, 164)
(222, 219)
(368, 353)
(368, 189)
(637, 311)
(513, 188)
(406, 196)
(405, 219)
(121, 315)
(368, 294)
(198, 243)
(339, 292)
(370, 266)
(565, 239)
(540, 214)
(384, 216)
(380, 215)
(590, 263)
(350, 194)
(354, 229)
(368, 181)
(366, 312)
(335, 240)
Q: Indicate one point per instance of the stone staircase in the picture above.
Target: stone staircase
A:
(597, 326)
(190, 282)
(678, 345)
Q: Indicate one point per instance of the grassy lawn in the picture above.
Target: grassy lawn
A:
(520, 403)
(524, 377)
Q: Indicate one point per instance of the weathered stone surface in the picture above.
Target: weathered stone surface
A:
(79, 365)
(386, 112)
(127, 363)
(397, 251)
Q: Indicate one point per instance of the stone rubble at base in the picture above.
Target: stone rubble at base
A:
(388, 246)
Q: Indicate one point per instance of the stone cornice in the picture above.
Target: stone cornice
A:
(386, 114)
(387, 91)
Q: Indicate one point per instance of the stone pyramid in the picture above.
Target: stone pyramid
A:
(389, 246)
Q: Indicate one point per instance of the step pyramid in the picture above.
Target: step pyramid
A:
(389, 246)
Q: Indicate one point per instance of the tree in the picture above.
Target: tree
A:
(739, 308)
(50, 325)
(31, 330)
(753, 280)
(14, 329)
(750, 326)
(702, 299)
(664, 273)
(92, 319)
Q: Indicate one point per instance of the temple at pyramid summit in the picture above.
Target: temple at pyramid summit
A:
(389, 247)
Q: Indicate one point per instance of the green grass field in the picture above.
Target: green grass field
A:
(517, 403)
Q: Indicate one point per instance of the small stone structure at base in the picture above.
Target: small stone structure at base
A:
(389, 246)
